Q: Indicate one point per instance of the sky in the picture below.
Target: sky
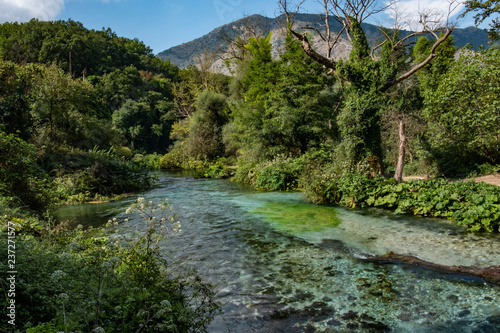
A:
(162, 24)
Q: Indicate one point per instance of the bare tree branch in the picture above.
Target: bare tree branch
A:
(310, 52)
(372, 53)
(419, 66)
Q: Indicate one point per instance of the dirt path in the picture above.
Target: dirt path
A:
(490, 179)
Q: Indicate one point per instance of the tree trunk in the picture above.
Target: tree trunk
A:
(401, 158)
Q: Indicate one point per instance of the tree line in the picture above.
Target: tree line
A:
(68, 90)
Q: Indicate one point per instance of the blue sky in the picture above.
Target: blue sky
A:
(161, 24)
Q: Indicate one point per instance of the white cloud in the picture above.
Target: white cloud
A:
(414, 6)
(25, 10)
(409, 11)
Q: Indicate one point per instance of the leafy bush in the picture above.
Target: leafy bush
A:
(281, 174)
(476, 205)
(173, 159)
(21, 178)
(205, 127)
(149, 161)
(104, 280)
(85, 174)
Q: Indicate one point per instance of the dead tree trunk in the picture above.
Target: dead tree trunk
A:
(398, 175)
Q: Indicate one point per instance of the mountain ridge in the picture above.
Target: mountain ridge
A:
(215, 41)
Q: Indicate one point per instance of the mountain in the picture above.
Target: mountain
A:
(216, 41)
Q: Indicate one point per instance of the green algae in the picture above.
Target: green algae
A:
(298, 218)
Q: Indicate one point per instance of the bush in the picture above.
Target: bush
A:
(21, 178)
(174, 159)
(281, 174)
(149, 161)
(83, 175)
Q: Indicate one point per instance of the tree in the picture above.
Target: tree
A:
(21, 179)
(286, 103)
(365, 77)
(464, 110)
(63, 111)
(205, 126)
(14, 104)
(484, 9)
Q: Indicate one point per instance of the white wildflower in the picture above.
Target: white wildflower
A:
(65, 256)
(106, 264)
(57, 275)
(74, 246)
(115, 261)
(165, 304)
(63, 297)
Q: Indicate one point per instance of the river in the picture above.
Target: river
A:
(282, 265)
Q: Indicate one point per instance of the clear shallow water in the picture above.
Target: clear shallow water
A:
(272, 276)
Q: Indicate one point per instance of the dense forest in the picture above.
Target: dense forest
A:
(84, 114)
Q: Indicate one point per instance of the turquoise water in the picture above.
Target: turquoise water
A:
(273, 277)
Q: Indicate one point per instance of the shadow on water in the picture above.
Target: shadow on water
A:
(273, 274)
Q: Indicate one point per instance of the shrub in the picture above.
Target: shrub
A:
(174, 159)
(148, 161)
(84, 175)
(21, 178)
(281, 174)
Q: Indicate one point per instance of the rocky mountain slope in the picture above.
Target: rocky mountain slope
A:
(216, 41)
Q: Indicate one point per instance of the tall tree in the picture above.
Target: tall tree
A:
(286, 105)
(365, 77)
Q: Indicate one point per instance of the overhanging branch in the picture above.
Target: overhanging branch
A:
(419, 66)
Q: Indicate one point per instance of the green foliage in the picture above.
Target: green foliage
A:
(21, 179)
(359, 119)
(429, 76)
(221, 168)
(476, 205)
(149, 161)
(286, 107)
(192, 83)
(77, 50)
(360, 48)
(463, 112)
(63, 111)
(84, 175)
(280, 174)
(174, 159)
(141, 106)
(204, 140)
(14, 102)
(88, 280)
(49, 106)
(284, 173)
